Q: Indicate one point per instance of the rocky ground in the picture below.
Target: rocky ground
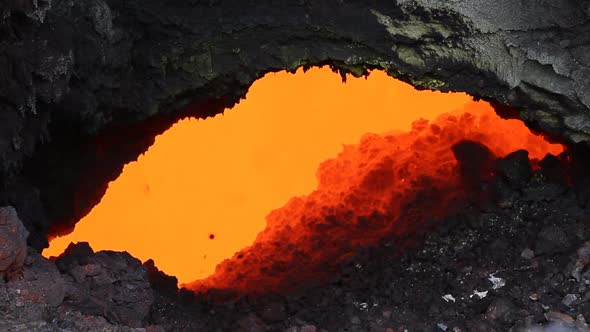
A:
(519, 261)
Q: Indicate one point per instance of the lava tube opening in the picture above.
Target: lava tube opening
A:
(200, 197)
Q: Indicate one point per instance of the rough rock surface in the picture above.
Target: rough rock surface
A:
(13, 242)
(104, 291)
(110, 284)
(86, 85)
(39, 288)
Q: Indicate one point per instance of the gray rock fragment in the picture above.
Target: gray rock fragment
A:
(13, 242)
(559, 318)
(527, 254)
(569, 300)
(251, 323)
(108, 283)
(500, 310)
(551, 240)
(582, 261)
(274, 312)
(304, 328)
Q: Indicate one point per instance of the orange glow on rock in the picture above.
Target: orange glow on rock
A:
(202, 192)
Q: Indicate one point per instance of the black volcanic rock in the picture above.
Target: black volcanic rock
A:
(159, 280)
(107, 283)
(551, 240)
(86, 85)
(104, 291)
(40, 287)
(13, 242)
(515, 168)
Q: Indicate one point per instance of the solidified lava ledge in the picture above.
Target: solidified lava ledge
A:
(86, 85)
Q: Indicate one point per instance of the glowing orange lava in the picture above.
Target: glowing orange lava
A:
(202, 192)
(387, 185)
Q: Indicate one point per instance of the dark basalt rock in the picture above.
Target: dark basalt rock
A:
(86, 85)
(107, 283)
(40, 287)
(89, 292)
(551, 240)
(13, 242)
(160, 281)
(515, 168)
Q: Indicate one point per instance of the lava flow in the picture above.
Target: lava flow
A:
(212, 182)
(201, 193)
(386, 187)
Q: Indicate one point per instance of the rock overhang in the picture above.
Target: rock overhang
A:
(87, 85)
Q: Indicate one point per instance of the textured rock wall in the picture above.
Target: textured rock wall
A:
(85, 85)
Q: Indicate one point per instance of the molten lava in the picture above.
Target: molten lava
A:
(388, 185)
(221, 176)
(202, 191)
